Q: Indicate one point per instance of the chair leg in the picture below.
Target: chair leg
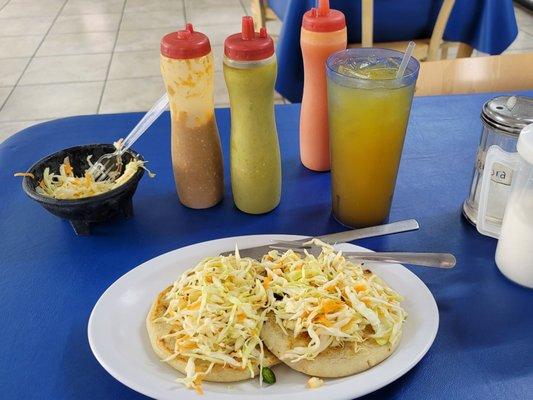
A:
(445, 47)
(258, 9)
(464, 50)
(438, 30)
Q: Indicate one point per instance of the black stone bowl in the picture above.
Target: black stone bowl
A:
(82, 213)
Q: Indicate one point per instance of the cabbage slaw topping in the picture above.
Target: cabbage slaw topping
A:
(216, 311)
(65, 185)
(332, 300)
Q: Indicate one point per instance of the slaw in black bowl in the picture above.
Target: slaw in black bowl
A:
(86, 211)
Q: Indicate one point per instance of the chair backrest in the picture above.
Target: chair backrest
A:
(476, 75)
(367, 26)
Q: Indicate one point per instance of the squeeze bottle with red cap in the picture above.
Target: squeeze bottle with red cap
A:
(187, 69)
(323, 33)
(250, 72)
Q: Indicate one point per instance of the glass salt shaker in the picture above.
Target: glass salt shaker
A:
(503, 118)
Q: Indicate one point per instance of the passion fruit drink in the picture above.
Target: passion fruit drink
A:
(368, 114)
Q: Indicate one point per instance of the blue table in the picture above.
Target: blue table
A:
(50, 279)
(487, 25)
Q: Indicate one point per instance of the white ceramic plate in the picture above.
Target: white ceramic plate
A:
(119, 341)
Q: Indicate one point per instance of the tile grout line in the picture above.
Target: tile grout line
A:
(80, 54)
(44, 16)
(91, 80)
(102, 31)
(33, 56)
(4, 6)
(61, 33)
(22, 35)
(209, 25)
(88, 81)
(111, 58)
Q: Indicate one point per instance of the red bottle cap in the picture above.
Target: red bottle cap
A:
(249, 45)
(185, 44)
(323, 18)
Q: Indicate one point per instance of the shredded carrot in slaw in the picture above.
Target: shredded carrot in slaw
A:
(65, 185)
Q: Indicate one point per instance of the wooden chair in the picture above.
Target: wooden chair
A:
(476, 75)
(261, 13)
(426, 49)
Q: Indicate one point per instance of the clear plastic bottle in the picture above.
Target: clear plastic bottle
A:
(187, 69)
(250, 72)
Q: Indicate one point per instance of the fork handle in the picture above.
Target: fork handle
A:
(146, 121)
(438, 260)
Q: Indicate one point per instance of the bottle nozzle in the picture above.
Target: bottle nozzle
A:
(186, 33)
(323, 7)
(248, 32)
(263, 33)
(323, 19)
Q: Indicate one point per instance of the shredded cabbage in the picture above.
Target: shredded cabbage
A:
(64, 185)
(334, 301)
(216, 311)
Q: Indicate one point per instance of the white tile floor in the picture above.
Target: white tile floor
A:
(68, 57)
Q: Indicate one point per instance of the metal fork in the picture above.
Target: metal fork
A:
(110, 165)
(436, 260)
(257, 252)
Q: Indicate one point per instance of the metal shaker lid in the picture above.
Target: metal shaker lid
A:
(508, 113)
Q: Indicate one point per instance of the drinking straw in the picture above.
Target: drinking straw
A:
(405, 59)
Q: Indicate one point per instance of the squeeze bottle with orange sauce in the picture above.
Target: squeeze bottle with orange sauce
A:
(323, 33)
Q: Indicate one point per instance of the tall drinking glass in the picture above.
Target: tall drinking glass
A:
(368, 110)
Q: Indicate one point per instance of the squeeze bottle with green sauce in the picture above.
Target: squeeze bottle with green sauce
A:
(250, 72)
(323, 33)
(187, 69)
